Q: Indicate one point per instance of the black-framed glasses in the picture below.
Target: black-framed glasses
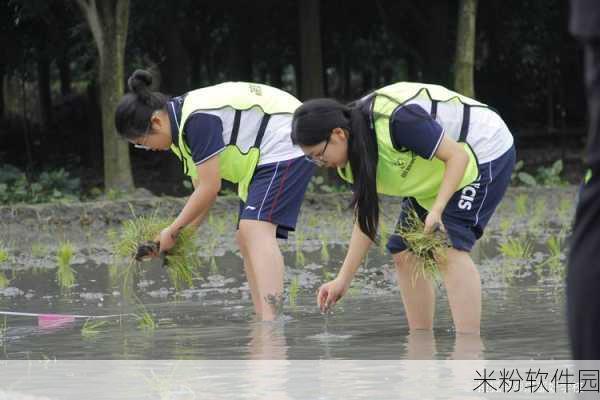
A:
(318, 159)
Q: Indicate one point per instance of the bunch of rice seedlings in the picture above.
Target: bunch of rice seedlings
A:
(181, 261)
(64, 272)
(429, 249)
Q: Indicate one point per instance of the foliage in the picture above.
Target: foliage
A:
(54, 185)
(544, 176)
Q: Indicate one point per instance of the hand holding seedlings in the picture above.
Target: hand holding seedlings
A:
(147, 250)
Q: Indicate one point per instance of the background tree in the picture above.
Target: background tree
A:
(465, 48)
(108, 21)
(311, 63)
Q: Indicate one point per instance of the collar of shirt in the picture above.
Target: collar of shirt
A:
(174, 107)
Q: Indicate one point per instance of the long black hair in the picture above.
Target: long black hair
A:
(132, 116)
(313, 122)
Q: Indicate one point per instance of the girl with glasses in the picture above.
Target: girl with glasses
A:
(448, 156)
(235, 131)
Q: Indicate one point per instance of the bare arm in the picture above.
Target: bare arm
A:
(359, 246)
(207, 187)
(456, 160)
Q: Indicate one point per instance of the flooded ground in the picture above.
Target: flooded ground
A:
(521, 260)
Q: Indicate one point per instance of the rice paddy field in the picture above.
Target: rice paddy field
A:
(60, 259)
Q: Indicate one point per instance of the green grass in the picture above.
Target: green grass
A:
(429, 249)
(294, 290)
(521, 204)
(3, 254)
(565, 210)
(92, 328)
(505, 226)
(536, 222)
(518, 248)
(554, 245)
(181, 261)
(146, 322)
(324, 250)
(300, 260)
(4, 281)
(3, 328)
(65, 274)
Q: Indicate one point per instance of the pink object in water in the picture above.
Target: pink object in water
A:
(46, 321)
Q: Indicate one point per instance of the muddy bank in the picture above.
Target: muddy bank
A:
(325, 218)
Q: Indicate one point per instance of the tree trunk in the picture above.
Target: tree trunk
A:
(45, 97)
(311, 61)
(108, 21)
(465, 48)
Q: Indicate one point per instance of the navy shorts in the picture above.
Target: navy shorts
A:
(470, 208)
(276, 193)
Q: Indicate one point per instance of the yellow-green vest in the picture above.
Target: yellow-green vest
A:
(234, 165)
(403, 173)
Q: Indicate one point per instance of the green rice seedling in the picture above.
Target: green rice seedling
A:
(92, 328)
(214, 267)
(64, 272)
(181, 261)
(536, 221)
(4, 281)
(294, 290)
(518, 248)
(300, 260)
(565, 211)
(146, 322)
(505, 226)
(509, 270)
(521, 204)
(39, 250)
(3, 254)
(429, 249)
(554, 245)
(324, 249)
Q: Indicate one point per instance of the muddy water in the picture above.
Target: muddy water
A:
(523, 314)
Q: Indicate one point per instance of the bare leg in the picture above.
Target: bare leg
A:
(266, 262)
(463, 286)
(250, 276)
(418, 299)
